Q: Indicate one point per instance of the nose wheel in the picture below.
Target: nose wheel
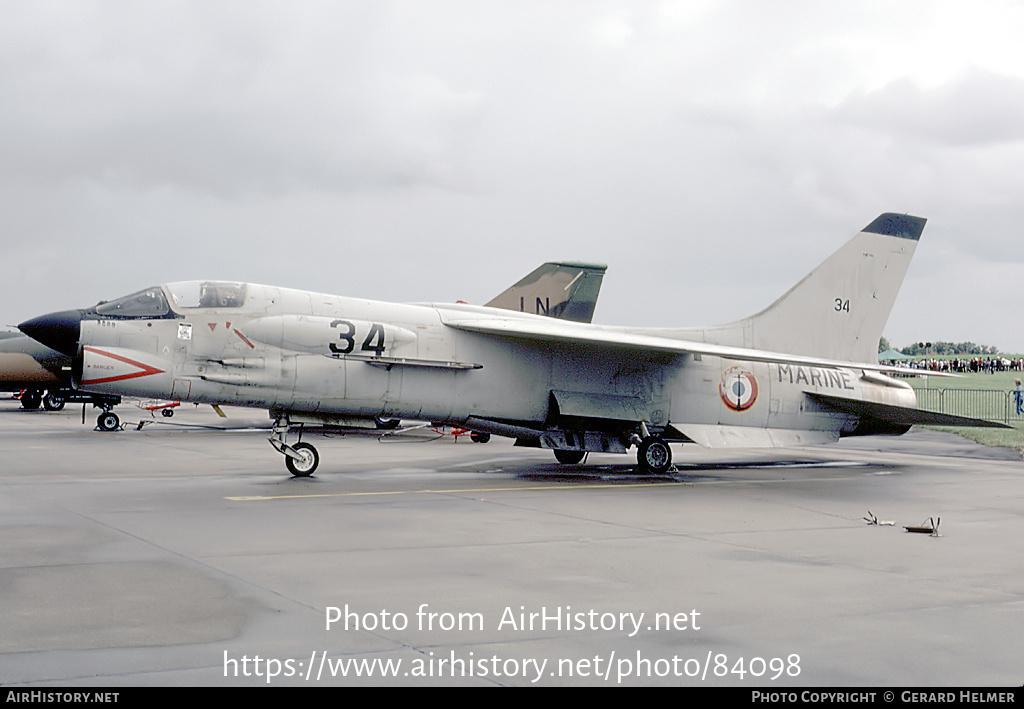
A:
(304, 461)
(301, 459)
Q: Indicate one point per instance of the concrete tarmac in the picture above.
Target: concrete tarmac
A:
(182, 555)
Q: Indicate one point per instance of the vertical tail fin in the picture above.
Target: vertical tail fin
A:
(560, 290)
(839, 309)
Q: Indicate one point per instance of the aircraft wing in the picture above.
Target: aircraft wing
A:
(617, 338)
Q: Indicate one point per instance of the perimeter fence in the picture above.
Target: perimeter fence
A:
(989, 404)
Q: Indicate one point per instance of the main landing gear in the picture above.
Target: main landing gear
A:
(301, 459)
(50, 400)
(653, 454)
(569, 457)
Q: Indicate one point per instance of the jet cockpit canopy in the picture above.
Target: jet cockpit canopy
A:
(149, 303)
(207, 294)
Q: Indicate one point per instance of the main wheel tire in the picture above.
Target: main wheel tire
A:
(568, 457)
(478, 437)
(654, 455)
(53, 402)
(108, 421)
(302, 467)
(386, 424)
(31, 400)
(167, 413)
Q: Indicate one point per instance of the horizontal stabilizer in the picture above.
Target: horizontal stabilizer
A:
(899, 415)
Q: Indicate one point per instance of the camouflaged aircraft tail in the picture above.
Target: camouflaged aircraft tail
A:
(563, 290)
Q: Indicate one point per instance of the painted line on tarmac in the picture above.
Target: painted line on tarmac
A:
(593, 486)
(454, 491)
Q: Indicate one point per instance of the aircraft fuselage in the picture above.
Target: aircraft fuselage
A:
(336, 360)
(803, 370)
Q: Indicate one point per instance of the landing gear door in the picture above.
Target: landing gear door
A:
(181, 389)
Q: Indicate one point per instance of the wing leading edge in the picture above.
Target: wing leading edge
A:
(565, 332)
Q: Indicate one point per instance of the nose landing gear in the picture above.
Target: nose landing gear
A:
(301, 459)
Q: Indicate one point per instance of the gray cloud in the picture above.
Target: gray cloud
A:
(977, 109)
(710, 153)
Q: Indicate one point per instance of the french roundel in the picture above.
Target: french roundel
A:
(738, 389)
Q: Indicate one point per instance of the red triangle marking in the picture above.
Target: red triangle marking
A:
(146, 370)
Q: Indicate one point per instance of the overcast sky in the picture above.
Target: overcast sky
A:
(711, 153)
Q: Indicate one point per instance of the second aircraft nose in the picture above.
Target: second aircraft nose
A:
(59, 331)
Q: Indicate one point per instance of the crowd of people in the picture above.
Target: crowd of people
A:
(964, 365)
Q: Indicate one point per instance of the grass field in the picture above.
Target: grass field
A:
(998, 381)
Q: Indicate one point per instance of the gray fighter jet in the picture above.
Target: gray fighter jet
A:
(565, 290)
(802, 371)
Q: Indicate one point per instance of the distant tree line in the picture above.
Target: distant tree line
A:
(948, 348)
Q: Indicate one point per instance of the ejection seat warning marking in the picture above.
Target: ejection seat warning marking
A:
(244, 338)
(144, 369)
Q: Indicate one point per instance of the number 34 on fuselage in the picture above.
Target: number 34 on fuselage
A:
(804, 370)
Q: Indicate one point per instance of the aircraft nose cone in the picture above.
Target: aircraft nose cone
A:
(59, 331)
